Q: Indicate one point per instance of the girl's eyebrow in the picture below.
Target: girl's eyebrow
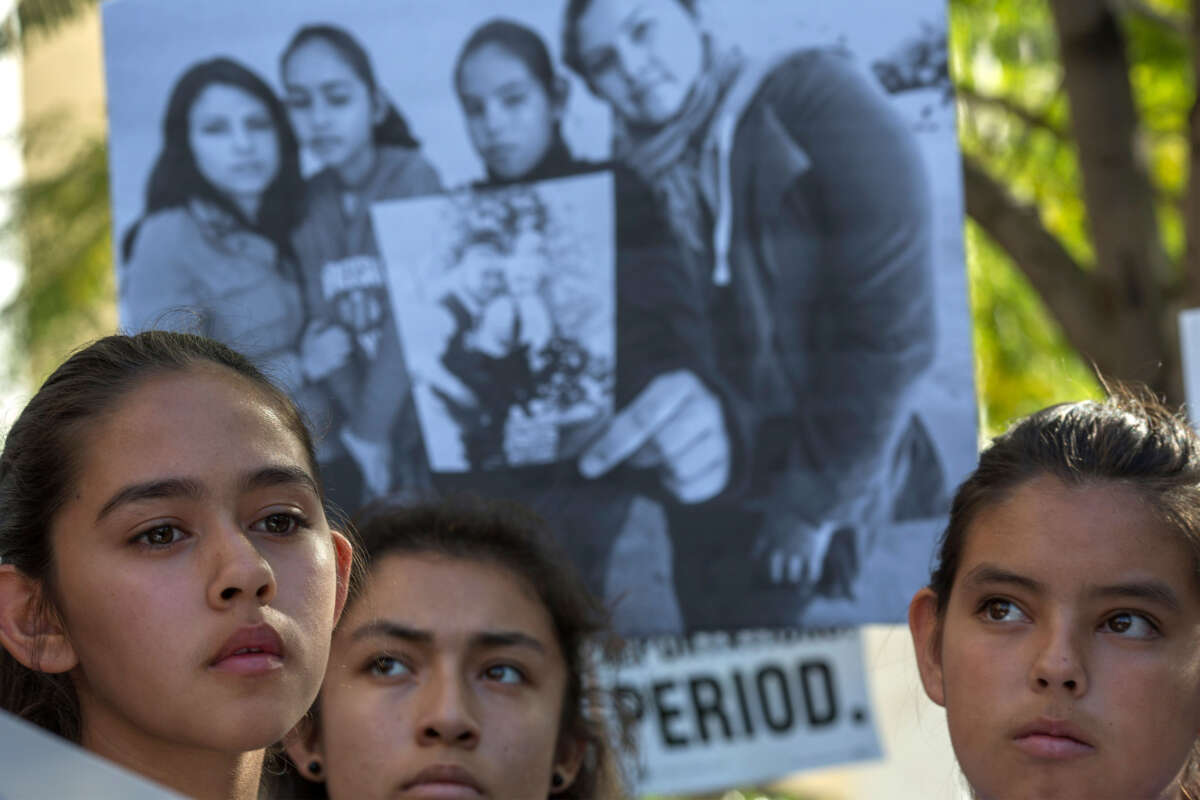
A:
(990, 573)
(151, 490)
(266, 477)
(391, 630)
(280, 475)
(1150, 590)
(483, 639)
(488, 639)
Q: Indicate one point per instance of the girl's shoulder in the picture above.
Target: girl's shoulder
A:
(167, 225)
(169, 234)
(403, 172)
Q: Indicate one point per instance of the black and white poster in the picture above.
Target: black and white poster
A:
(685, 277)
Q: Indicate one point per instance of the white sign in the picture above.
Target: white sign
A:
(35, 764)
(715, 710)
(1189, 351)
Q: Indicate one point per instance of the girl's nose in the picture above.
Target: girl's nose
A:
(242, 138)
(241, 572)
(319, 113)
(446, 718)
(1059, 662)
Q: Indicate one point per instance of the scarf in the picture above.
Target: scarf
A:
(668, 157)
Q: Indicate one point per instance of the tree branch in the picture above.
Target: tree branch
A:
(1131, 263)
(1191, 202)
(971, 96)
(1175, 23)
(1064, 286)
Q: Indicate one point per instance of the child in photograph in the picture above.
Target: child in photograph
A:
(221, 203)
(460, 668)
(169, 582)
(1061, 628)
(526, 369)
(513, 102)
(367, 154)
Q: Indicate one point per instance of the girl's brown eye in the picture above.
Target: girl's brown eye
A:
(160, 536)
(999, 609)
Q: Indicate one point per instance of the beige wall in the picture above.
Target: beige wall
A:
(63, 87)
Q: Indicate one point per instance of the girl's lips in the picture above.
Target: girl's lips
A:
(253, 650)
(1053, 740)
(442, 782)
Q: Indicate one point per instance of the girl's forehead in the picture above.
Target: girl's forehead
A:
(203, 407)
(320, 55)
(1075, 536)
(448, 593)
(219, 96)
(492, 51)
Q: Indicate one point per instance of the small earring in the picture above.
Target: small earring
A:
(557, 781)
(314, 767)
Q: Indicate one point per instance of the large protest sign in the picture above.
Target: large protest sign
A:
(1189, 349)
(715, 710)
(35, 764)
(759, 382)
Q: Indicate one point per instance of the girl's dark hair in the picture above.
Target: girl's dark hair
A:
(393, 128)
(40, 465)
(505, 534)
(176, 179)
(1130, 439)
(519, 41)
(576, 9)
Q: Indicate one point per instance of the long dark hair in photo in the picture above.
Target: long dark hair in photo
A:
(518, 41)
(393, 129)
(176, 179)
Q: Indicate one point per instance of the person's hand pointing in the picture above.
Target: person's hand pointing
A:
(675, 424)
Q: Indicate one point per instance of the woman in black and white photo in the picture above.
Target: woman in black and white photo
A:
(221, 204)
(513, 101)
(367, 154)
(800, 200)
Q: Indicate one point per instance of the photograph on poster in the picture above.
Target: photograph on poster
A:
(504, 302)
(734, 368)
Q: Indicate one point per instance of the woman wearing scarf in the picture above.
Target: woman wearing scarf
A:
(801, 201)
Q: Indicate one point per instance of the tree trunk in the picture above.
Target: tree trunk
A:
(1132, 268)
(1191, 205)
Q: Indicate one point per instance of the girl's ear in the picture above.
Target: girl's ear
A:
(925, 626)
(569, 759)
(30, 629)
(303, 745)
(343, 552)
(379, 106)
(560, 92)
